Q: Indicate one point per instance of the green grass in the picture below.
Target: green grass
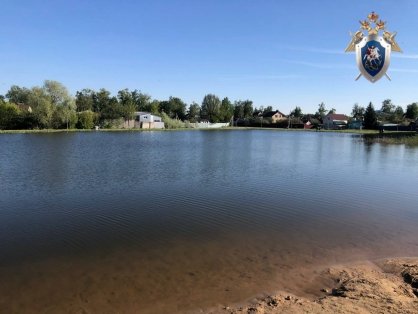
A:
(406, 138)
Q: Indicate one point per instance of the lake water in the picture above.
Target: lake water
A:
(158, 222)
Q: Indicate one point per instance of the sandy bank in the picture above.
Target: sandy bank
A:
(383, 286)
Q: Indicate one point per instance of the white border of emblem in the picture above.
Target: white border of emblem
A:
(388, 51)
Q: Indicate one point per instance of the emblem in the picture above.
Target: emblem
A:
(372, 50)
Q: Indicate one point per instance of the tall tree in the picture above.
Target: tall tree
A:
(210, 107)
(64, 108)
(412, 111)
(112, 109)
(370, 117)
(397, 115)
(152, 106)
(358, 112)
(18, 95)
(194, 112)
(42, 107)
(238, 110)
(248, 108)
(175, 108)
(332, 111)
(84, 100)
(267, 109)
(101, 100)
(321, 112)
(142, 101)
(297, 112)
(226, 111)
(387, 106)
(127, 104)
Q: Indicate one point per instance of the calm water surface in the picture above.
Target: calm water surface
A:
(179, 221)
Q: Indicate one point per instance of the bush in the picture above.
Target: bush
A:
(172, 123)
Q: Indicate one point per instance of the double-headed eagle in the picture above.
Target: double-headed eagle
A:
(366, 26)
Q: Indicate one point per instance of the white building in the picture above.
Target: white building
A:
(146, 120)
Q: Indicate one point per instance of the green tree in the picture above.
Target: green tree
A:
(358, 112)
(101, 100)
(42, 107)
(175, 108)
(64, 107)
(142, 101)
(297, 112)
(211, 107)
(86, 119)
(321, 112)
(238, 110)
(152, 106)
(84, 99)
(248, 108)
(18, 95)
(178, 108)
(398, 114)
(127, 104)
(267, 109)
(332, 111)
(226, 111)
(387, 106)
(412, 111)
(194, 112)
(9, 113)
(111, 109)
(370, 117)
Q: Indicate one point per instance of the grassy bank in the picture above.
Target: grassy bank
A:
(407, 138)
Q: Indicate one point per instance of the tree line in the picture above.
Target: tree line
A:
(52, 106)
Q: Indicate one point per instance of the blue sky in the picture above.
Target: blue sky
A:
(278, 53)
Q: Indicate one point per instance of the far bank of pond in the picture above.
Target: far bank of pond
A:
(409, 138)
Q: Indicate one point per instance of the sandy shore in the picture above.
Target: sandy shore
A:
(382, 286)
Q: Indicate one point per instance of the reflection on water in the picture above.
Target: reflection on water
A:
(182, 220)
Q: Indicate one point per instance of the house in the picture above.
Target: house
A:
(355, 125)
(335, 121)
(274, 115)
(310, 121)
(146, 120)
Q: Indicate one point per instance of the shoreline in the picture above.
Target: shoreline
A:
(387, 285)
(408, 138)
(348, 131)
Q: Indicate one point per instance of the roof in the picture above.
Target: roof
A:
(272, 113)
(337, 116)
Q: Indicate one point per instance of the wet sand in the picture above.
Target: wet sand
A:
(187, 278)
(382, 286)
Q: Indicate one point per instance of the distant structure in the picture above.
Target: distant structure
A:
(146, 120)
(274, 115)
(335, 121)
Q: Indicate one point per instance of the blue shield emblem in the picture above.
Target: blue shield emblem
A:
(373, 57)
